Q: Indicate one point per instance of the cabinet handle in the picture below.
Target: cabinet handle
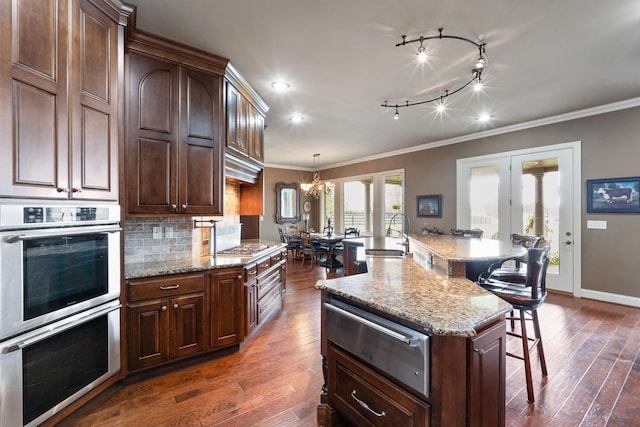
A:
(175, 306)
(480, 352)
(62, 190)
(365, 406)
(163, 308)
(76, 190)
(252, 273)
(168, 288)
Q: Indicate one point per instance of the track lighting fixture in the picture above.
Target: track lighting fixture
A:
(476, 72)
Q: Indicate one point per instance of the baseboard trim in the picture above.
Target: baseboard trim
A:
(608, 297)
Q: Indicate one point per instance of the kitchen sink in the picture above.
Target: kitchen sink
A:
(388, 253)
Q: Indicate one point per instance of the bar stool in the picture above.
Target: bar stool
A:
(526, 298)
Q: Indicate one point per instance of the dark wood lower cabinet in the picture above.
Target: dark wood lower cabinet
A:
(226, 307)
(366, 398)
(182, 315)
(166, 319)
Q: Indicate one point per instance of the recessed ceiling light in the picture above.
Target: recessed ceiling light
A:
(484, 118)
(296, 118)
(280, 85)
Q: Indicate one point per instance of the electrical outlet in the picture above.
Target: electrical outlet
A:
(157, 233)
(168, 233)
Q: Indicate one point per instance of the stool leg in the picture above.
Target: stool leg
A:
(536, 329)
(527, 360)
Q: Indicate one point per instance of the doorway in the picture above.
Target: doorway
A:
(534, 192)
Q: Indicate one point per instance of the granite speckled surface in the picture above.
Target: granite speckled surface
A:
(405, 289)
(454, 248)
(189, 265)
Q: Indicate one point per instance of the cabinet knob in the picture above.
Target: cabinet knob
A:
(62, 190)
(175, 306)
(239, 277)
(76, 190)
(174, 207)
(163, 308)
(184, 206)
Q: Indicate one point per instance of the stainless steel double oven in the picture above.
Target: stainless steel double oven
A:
(59, 305)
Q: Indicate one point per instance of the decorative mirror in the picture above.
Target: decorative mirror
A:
(287, 203)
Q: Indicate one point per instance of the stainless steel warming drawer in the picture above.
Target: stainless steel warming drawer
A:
(396, 350)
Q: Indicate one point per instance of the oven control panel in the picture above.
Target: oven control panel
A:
(28, 216)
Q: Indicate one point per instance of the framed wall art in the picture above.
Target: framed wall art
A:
(429, 206)
(613, 195)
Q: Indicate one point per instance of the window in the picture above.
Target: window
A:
(366, 202)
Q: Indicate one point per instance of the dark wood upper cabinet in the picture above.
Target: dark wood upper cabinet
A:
(175, 131)
(59, 98)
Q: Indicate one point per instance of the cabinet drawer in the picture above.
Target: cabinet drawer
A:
(366, 398)
(250, 272)
(165, 287)
(276, 258)
(267, 283)
(269, 304)
(263, 265)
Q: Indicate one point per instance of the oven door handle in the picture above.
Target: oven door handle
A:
(58, 232)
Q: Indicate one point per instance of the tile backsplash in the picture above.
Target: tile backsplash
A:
(175, 237)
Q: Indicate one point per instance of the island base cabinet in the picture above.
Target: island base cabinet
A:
(363, 397)
(487, 373)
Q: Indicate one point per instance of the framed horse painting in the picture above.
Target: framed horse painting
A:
(613, 195)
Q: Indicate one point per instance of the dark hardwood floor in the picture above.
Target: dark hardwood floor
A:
(592, 351)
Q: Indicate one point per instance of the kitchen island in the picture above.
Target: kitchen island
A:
(466, 330)
(461, 256)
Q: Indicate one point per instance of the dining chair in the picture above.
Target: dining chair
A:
(293, 245)
(476, 232)
(309, 250)
(525, 298)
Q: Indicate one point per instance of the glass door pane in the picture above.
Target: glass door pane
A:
(484, 199)
(393, 201)
(358, 205)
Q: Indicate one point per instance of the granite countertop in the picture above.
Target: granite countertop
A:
(190, 265)
(454, 248)
(405, 289)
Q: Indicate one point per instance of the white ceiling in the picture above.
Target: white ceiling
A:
(546, 58)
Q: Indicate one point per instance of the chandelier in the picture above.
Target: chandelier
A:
(422, 55)
(316, 187)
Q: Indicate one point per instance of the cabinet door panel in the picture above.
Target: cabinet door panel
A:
(36, 142)
(95, 52)
(37, 50)
(187, 327)
(155, 95)
(154, 172)
(487, 377)
(94, 104)
(95, 159)
(33, 99)
(201, 173)
(226, 309)
(148, 334)
(152, 136)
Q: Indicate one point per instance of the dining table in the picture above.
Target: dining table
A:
(329, 241)
(462, 256)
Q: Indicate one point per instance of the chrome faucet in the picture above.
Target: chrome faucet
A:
(405, 236)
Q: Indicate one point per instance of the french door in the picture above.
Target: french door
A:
(532, 192)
